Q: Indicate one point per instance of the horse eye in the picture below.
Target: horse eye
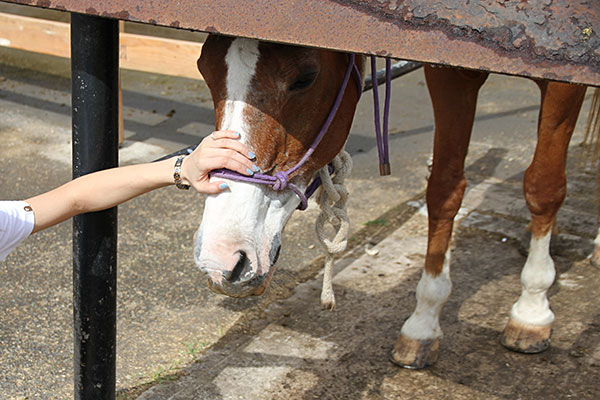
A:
(303, 81)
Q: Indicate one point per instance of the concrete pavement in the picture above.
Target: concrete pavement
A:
(295, 350)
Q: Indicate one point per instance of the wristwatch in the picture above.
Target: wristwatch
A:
(177, 174)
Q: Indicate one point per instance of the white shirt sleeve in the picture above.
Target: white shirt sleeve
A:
(16, 223)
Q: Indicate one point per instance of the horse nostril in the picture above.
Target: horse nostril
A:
(242, 270)
(275, 249)
(227, 275)
(274, 254)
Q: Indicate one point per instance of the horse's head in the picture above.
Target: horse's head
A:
(278, 98)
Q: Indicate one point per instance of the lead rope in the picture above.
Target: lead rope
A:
(382, 137)
(334, 195)
(333, 199)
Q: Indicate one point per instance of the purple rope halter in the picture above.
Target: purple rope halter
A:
(281, 181)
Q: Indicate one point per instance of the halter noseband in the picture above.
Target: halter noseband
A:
(281, 181)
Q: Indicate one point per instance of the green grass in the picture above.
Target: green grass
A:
(166, 374)
(195, 348)
(376, 222)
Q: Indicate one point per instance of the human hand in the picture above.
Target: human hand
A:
(221, 149)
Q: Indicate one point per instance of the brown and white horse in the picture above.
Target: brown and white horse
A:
(277, 97)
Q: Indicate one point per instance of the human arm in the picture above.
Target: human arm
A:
(107, 188)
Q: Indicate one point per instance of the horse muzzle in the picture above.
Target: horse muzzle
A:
(240, 281)
(253, 287)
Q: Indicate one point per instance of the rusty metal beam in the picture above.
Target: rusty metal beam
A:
(551, 39)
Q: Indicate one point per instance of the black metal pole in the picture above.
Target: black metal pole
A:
(94, 74)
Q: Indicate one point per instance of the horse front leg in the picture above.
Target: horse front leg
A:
(530, 322)
(454, 96)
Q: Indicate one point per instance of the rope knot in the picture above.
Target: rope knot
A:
(281, 181)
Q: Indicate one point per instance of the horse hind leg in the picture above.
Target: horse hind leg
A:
(453, 93)
(529, 326)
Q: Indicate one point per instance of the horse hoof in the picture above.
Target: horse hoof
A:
(524, 338)
(415, 354)
(595, 258)
(328, 304)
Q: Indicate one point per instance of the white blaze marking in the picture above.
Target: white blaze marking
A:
(247, 216)
(243, 201)
(432, 293)
(241, 59)
(537, 276)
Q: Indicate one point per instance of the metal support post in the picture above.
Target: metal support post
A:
(94, 76)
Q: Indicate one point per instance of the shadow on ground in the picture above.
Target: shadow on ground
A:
(298, 351)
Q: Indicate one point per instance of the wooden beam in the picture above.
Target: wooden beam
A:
(137, 52)
(160, 55)
(36, 35)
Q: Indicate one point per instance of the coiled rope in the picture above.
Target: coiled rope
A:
(332, 200)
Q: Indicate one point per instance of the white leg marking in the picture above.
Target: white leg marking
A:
(537, 276)
(432, 293)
